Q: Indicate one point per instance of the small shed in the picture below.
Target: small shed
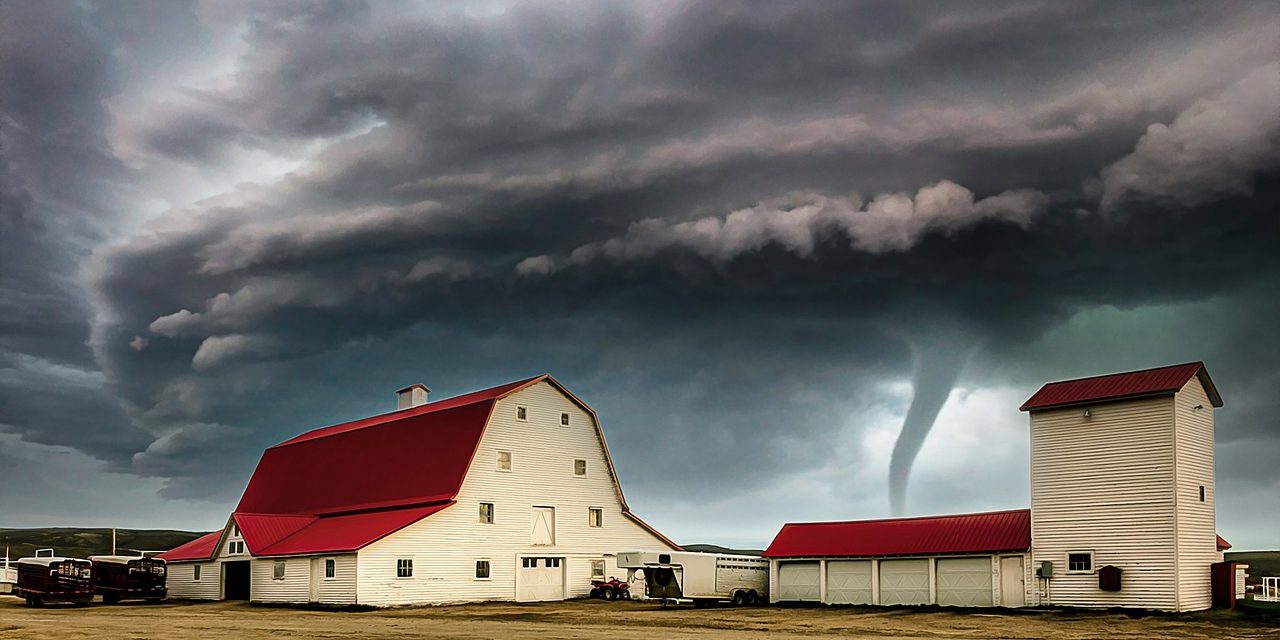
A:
(971, 560)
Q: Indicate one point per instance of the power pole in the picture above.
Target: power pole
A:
(113, 541)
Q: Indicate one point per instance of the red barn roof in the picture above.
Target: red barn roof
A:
(342, 487)
(1223, 545)
(971, 533)
(1122, 386)
(199, 549)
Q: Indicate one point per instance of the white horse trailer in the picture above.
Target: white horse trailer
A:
(700, 578)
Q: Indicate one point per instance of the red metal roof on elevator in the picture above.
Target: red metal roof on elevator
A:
(1120, 386)
(968, 533)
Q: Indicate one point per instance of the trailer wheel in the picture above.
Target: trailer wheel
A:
(753, 598)
(739, 598)
(37, 601)
(110, 598)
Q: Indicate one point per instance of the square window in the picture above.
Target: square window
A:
(504, 461)
(597, 569)
(235, 530)
(595, 517)
(195, 573)
(277, 572)
(579, 467)
(486, 512)
(522, 413)
(564, 419)
(330, 568)
(482, 569)
(528, 563)
(404, 568)
(1080, 562)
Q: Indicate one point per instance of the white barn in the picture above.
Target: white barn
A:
(503, 494)
(1122, 514)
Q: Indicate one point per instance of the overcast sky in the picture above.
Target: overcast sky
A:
(746, 234)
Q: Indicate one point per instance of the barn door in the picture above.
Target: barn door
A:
(544, 526)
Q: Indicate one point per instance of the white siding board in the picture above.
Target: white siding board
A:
(181, 585)
(446, 545)
(1196, 523)
(1105, 484)
(294, 587)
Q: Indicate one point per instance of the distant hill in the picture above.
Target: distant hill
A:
(715, 548)
(81, 543)
(1261, 563)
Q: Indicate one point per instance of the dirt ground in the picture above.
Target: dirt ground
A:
(597, 620)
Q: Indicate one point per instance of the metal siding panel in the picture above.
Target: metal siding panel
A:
(1104, 484)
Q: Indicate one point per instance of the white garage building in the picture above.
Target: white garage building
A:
(973, 560)
(1122, 514)
(503, 494)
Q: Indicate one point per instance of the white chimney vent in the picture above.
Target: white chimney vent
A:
(414, 395)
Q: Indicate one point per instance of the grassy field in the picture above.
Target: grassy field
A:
(81, 543)
(1261, 563)
(599, 620)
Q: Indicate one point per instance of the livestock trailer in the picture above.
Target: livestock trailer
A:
(49, 578)
(699, 577)
(119, 578)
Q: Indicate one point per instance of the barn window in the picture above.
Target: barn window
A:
(529, 563)
(195, 573)
(522, 413)
(330, 568)
(235, 530)
(235, 547)
(504, 461)
(404, 568)
(553, 563)
(564, 419)
(1080, 562)
(1201, 493)
(595, 517)
(597, 569)
(580, 467)
(277, 572)
(486, 512)
(482, 569)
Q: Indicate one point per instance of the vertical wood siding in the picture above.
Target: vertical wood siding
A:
(1106, 484)
(1197, 525)
(445, 546)
(182, 586)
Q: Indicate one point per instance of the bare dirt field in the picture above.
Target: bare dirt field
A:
(598, 620)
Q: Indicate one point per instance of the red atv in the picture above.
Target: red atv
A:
(613, 589)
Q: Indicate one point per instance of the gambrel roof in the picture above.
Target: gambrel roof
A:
(342, 487)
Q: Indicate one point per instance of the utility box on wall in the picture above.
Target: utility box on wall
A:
(1223, 584)
(1109, 578)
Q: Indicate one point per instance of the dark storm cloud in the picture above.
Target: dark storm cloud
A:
(726, 225)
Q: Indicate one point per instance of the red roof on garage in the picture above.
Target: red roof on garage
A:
(199, 549)
(1120, 386)
(970, 533)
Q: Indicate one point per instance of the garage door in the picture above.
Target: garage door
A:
(540, 579)
(848, 582)
(798, 581)
(904, 581)
(964, 582)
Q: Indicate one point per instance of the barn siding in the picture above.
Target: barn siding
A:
(1105, 484)
(181, 585)
(1197, 538)
(294, 587)
(446, 545)
(341, 589)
